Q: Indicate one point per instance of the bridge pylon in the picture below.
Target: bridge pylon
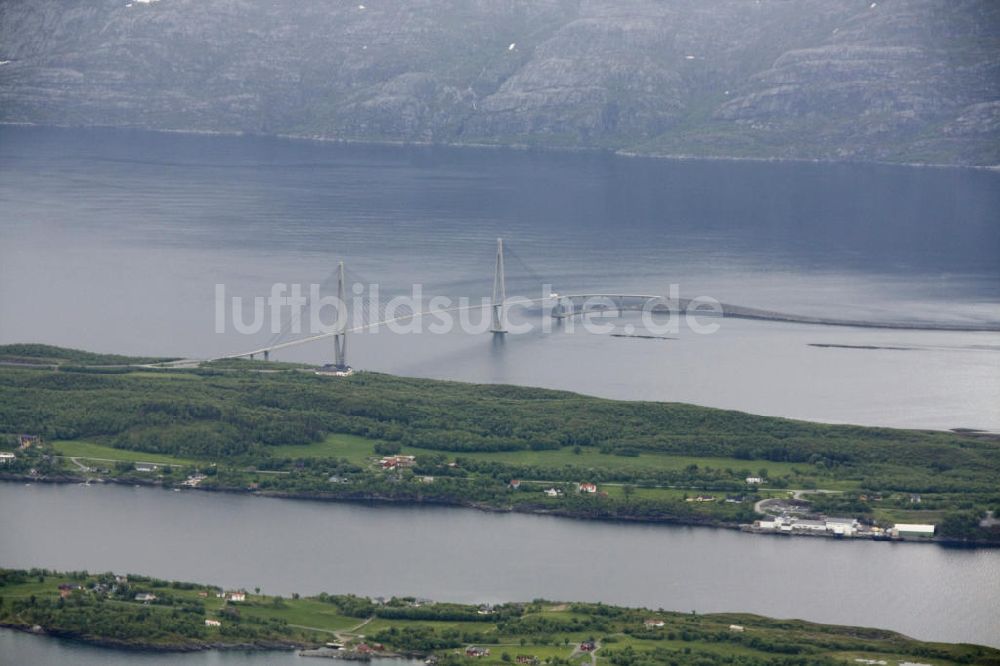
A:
(498, 309)
(559, 310)
(340, 338)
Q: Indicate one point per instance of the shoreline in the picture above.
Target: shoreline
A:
(380, 500)
(519, 147)
(158, 648)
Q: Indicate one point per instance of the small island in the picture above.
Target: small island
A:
(282, 430)
(137, 612)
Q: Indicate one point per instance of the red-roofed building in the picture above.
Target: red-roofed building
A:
(396, 462)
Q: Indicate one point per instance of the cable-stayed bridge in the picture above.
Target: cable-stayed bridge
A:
(369, 315)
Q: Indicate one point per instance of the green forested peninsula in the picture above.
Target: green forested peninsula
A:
(229, 421)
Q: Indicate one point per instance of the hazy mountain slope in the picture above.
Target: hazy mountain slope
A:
(897, 80)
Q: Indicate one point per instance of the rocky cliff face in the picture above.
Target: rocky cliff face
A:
(898, 80)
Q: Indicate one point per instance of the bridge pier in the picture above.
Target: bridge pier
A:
(565, 307)
(267, 355)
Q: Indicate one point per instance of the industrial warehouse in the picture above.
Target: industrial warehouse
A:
(840, 528)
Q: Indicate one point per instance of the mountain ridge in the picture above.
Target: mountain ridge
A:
(910, 81)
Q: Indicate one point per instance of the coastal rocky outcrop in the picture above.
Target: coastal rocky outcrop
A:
(892, 80)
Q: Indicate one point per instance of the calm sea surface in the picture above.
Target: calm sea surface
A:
(115, 241)
(285, 546)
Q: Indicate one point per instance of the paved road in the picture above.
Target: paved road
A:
(761, 506)
(80, 465)
(342, 635)
(141, 462)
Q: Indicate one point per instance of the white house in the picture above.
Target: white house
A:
(755, 480)
(236, 596)
(145, 597)
(553, 492)
(6, 457)
(193, 480)
(212, 623)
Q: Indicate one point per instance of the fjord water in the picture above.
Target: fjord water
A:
(115, 240)
(286, 546)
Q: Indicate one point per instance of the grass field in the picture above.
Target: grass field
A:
(302, 612)
(353, 448)
(480, 627)
(360, 450)
(909, 515)
(593, 458)
(92, 451)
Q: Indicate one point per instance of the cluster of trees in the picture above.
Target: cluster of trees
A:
(102, 609)
(484, 490)
(542, 625)
(39, 458)
(94, 617)
(629, 656)
(406, 608)
(441, 613)
(37, 353)
(961, 525)
(425, 639)
(706, 477)
(349, 604)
